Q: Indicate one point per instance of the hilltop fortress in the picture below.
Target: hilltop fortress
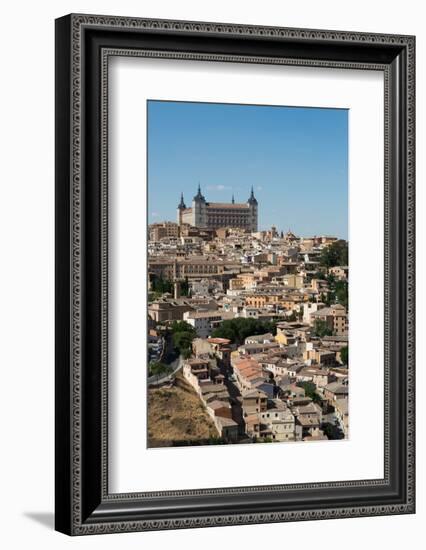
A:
(214, 215)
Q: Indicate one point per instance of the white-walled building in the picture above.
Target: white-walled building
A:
(204, 322)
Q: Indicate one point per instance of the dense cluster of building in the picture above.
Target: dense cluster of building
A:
(255, 392)
(290, 384)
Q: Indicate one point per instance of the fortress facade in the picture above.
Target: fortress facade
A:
(214, 215)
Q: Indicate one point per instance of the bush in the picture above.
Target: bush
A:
(335, 254)
(321, 328)
(159, 369)
(182, 326)
(344, 355)
(310, 391)
(160, 286)
(237, 330)
(183, 334)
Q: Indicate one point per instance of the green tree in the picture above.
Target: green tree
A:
(341, 293)
(330, 298)
(310, 391)
(182, 326)
(321, 328)
(158, 369)
(332, 432)
(331, 280)
(182, 341)
(337, 292)
(160, 285)
(184, 287)
(183, 334)
(344, 355)
(237, 330)
(186, 352)
(334, 254)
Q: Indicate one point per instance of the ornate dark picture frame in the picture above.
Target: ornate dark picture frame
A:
(83, 45)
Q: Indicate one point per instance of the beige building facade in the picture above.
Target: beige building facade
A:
(216, 215)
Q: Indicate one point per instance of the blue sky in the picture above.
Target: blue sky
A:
(296, 159)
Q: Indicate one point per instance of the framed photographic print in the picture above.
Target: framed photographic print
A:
(234, 214)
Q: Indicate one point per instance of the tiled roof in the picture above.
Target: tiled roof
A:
(218, 341)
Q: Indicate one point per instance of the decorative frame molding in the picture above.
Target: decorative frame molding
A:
(84, 44)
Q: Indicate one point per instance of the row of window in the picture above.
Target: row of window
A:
(200, 269)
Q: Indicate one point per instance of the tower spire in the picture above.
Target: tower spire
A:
(182, 202)
(252, 198)
(233, 200)
(199, 195)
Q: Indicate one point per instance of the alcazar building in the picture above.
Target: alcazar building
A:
(214, 215)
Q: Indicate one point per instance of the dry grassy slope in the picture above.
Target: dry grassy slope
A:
(177, 414)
